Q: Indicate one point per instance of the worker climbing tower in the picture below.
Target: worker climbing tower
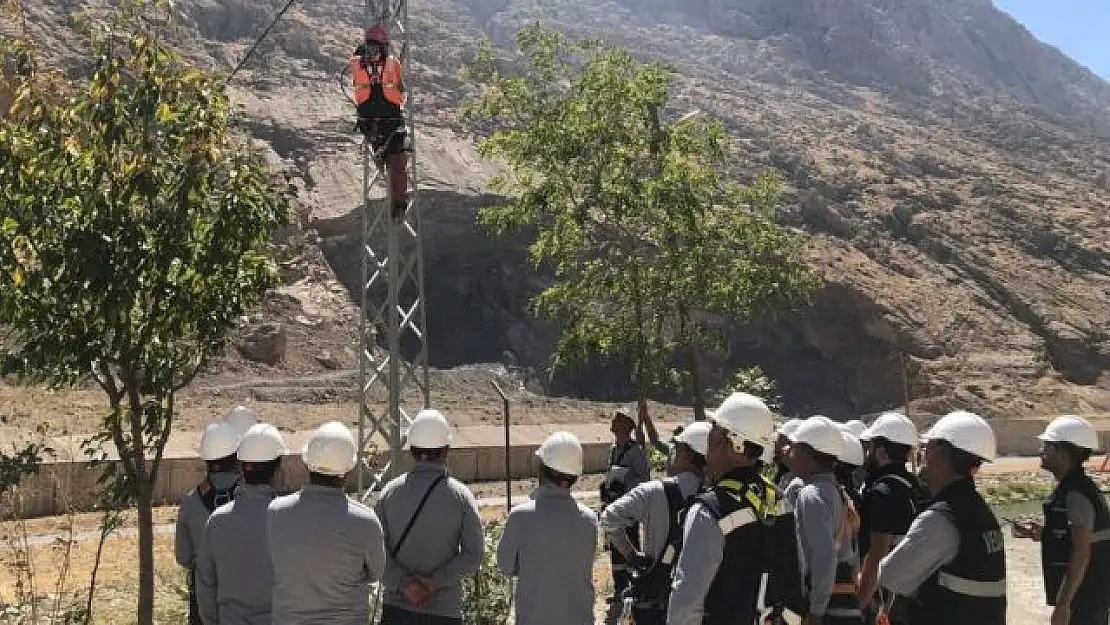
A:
(393, 363)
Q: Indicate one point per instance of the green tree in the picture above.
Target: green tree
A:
(134, 232)
(645, 236)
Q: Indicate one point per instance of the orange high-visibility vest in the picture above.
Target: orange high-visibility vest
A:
(389, 77)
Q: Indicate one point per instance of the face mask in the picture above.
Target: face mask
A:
(223, 481)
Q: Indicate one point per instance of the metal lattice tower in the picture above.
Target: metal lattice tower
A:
(392, 298)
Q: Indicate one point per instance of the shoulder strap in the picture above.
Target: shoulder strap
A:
(898, 478)
(616, 458)
(416, 513)
(675, 504)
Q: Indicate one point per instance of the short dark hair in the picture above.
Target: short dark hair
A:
(425, 454)
(221, 465)
(896, 451)
(752, 450)
(332, 481)
(260, 473)
(963, 463)
(557, 477)
(699, 461)
(1078, 455)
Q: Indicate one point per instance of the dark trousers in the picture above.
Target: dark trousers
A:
(194, 608)
(393, 615)
(843, 607)
(649, 616)
(1088, 616)
(621, 578)
(391, 134)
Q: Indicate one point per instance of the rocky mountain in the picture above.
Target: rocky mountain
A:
(951, 173)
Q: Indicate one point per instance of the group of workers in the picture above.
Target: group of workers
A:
(812, 522)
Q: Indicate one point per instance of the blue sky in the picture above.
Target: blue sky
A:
(1079, 28)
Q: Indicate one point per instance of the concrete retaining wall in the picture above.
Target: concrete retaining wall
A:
(72, 486)
(62, 486)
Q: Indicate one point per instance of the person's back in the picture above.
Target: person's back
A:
(444, 543)
(235, 560)
(326, 549)
(555, 540)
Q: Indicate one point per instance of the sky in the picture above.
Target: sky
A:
(1079, 28)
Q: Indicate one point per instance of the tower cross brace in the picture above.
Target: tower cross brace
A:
(393, 354)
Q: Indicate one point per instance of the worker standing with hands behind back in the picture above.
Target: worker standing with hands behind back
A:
(433, 535)
(1075, 537)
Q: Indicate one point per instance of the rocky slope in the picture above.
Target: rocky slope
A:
(949, 170)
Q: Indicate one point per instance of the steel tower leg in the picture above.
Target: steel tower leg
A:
(391, 389)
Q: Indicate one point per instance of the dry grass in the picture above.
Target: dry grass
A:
(117, 578)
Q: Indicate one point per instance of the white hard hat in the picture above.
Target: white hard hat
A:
(747, 418)
(1071, 429)
(219, 440)
(561, 452)
(965, 431)
(242, 419)
(820, 433)
(788, 428)
(261, 443)
(894, 427)
(696, 435)
(852, 449)
(331, 450)
(429, 430)
(856, 427)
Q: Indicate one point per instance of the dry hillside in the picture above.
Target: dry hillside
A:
(949, 171)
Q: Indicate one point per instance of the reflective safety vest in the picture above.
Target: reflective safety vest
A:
(971, 589)
(1056, 544)
(388, 77)
(744, 505)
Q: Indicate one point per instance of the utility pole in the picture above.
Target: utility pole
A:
(392, 300)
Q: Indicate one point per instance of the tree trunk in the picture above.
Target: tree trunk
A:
(696, 383)
(146, 554)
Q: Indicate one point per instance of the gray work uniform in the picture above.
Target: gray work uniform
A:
(325, 550)
(703, 547)
(646, 504)
(549, 544)
(445, 543)
(192, 516)
(234, 577)
(636, 459)
(931, 542)
(818, 511)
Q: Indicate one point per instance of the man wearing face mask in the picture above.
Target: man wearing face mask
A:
(218, 445)
(380, 96)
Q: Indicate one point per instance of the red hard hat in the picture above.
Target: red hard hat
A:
(377, 33)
